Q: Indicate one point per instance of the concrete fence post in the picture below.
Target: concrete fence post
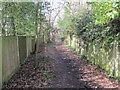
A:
(113, 59)
(0, 62)
(119, 60)
(22, 48)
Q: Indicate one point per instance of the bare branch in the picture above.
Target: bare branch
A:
(58, 13)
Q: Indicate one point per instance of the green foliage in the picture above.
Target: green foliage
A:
(73, 49)
(19, 18)
(67, 24)
(83, 56)
(113, 77)
(118, 79)
(99, 25)
(49, 75)
(105, 11)
(110, 76)
(41, 65)
(21, 14)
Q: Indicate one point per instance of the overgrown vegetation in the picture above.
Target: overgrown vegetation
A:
(99, 24)
(95, 26)
(20, 18)
(26, 19)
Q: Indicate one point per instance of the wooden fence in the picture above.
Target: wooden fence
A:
(14, 51)
(0, 62)
(106, 58)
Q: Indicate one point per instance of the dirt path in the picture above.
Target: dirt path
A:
(66, 74)
(73, 72)
(62, 69)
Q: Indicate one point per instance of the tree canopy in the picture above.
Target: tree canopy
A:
(100, 23)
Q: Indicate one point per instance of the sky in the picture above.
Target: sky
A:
(56, 4)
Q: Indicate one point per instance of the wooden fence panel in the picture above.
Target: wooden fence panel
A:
(108, 59)
(14, 50)
(22, 48)
(10, 59)
(29, 45)
(0, 62)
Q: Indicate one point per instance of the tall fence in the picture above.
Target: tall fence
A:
(106, 58)
(0, 62)
(14, 51)
(10, 58)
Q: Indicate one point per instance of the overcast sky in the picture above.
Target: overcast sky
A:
(56, 4)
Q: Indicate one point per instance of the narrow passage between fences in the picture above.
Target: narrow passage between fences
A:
(60, 68)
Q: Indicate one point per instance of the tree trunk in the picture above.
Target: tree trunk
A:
(13, 26)
(36, 37)
(38, 28)
(3, 29)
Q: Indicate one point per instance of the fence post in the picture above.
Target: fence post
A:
(119, 60)
(18, 54)
(113, 59)
(1, 63)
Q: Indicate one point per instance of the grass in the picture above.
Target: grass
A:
(45, 59)
(113, 77)
(110, 76)
(41, 65)
(73, 49)
(83, 56)
(48, 74)
(118, 79)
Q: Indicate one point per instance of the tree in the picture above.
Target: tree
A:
(24, 18)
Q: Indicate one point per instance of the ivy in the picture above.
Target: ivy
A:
(99, 25)
(19, 17)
